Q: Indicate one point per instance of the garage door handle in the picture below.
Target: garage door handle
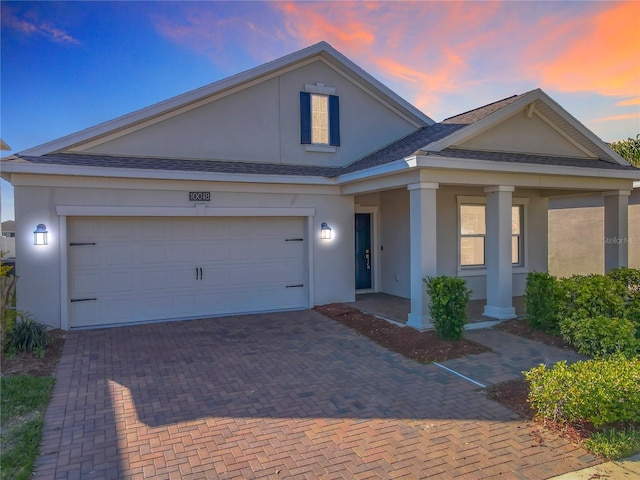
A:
(200, 273)
(294, 240)
(299, 285)
(74, 300)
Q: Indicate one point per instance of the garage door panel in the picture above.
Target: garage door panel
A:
(160, 268)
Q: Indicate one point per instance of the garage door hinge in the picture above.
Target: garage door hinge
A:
(78, 244)
(74, 300)
(294, 240)
(299, 285)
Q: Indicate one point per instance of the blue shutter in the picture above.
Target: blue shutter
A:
(305, 118)
(334, 120)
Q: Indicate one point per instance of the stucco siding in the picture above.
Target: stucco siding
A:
(395, 256)
(39, 289)
(261, 123)
(576, 237)
(527, 135)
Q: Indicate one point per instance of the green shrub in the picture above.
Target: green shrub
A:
(449, 300)
(600, 391)
(541, 298)
(601, 336)
(27, 335)
(589, 296)
(630, 277)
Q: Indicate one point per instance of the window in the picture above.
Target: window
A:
(319, 118)
(517, 257)
(473, 233)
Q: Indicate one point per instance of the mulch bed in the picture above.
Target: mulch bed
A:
(28, 364)
(424, 347)
(522, 329)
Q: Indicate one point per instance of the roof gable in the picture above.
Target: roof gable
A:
(568, 136)
(162, 111)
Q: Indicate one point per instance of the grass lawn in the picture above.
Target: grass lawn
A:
(24, 401)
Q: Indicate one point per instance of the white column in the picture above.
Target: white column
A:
(423, 252)
(498, 253)
(616, 229)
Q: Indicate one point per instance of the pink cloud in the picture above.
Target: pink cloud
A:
(629, 102)
(31, 27)
(613, 118)
(592, 53)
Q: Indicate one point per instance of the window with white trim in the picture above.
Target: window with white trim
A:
(473, 233)
(320, 118)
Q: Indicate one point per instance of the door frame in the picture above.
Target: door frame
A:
(375, 246)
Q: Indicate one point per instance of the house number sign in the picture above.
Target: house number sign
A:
(199, 196)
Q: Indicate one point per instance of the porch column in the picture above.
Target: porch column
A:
(616, 229)
(498, 253)
(423, 252)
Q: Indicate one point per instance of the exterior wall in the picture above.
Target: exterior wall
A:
(394, 218)
(526, 135)
(395, 263)
(576, 236)
(39, 288)
(261, 123)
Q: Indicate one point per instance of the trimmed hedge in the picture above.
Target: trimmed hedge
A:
(599, 315)
(599, 391)
(541, 300)
(448, 308)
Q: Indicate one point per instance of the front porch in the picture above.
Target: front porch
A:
(397, 309)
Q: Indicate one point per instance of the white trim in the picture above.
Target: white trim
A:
(321, 148)
(64, 279)
(320, 88)
(481, 270)
(421, 185)
(310, 259)
(193, 211)
(44, 169)
(373, 210)
(499, 188)
(622, 193)
(564, 135)
(452, 163)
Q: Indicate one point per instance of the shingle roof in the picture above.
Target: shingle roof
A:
(413, 143)
(174, 164)
(472, 116)
(528, 159)
(403, 148)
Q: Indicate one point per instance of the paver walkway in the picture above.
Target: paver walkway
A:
(287, 395)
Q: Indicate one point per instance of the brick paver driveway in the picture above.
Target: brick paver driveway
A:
(288, 395)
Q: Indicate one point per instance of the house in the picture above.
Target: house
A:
(576, 234)
(7, 240)
(294, 184)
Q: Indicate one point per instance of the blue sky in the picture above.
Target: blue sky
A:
(66, 66)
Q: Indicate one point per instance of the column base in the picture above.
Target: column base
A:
(421, 323)
(501, 313)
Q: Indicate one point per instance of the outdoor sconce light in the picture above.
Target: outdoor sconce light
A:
(40, 235)
(325, 231)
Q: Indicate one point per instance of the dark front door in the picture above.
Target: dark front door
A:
(364, 256)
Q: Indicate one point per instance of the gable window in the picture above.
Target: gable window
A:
(473, 234)
(319, 118)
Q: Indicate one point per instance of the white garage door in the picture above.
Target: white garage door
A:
(125, 270)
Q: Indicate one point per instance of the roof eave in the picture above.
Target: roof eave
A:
(111, 172)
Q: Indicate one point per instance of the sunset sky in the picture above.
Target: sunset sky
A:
(66, 66)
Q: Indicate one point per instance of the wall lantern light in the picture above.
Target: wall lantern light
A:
(40, 235)
(325, 231)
